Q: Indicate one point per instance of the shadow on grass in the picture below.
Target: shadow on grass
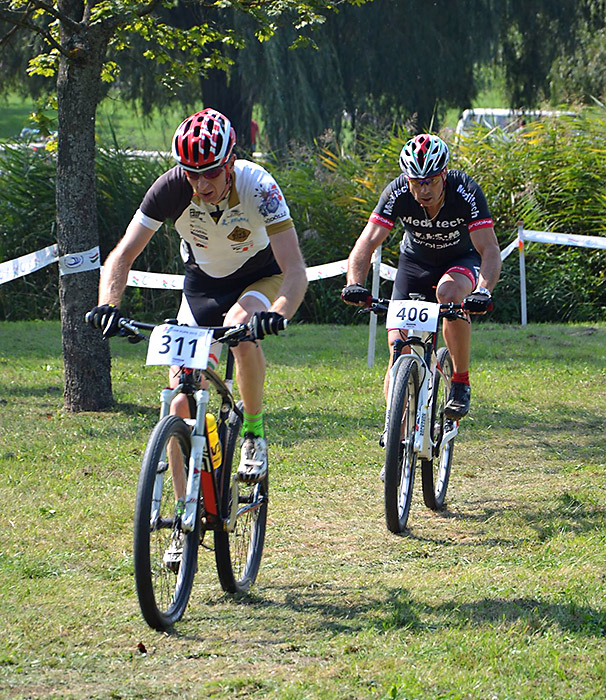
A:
(289, 428)
(348, 611)
(135, 409)
(323, 609)
(565, 513)
(38, 391)
(535, 615)
(559, 418)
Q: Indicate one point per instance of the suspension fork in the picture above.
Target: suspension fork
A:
(198, 447)
(398, 358)
(166, 398)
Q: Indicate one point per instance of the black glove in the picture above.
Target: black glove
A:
(105, 317)
(264, 323)
(355, 294)
(478, 302)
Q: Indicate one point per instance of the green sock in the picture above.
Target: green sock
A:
(253, 424)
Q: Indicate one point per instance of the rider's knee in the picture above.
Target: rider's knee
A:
(180, 406)
(449, 292)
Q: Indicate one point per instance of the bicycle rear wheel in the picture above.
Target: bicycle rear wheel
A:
(435, 473)
(400, 456)
(238, 553)
(163, 587)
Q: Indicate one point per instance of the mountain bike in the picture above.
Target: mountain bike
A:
(415, 425)
(200, 453)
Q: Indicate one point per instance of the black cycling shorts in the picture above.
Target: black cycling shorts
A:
(207, 300)
(416, 277)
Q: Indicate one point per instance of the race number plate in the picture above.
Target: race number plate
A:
(413, 315)
(179, 345)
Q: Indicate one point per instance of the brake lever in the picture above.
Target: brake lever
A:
(230, 335)
(130, 332)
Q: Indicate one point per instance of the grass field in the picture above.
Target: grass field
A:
(500, 597)
(113, 116)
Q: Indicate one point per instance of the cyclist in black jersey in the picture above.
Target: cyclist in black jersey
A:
(241, 254)
(449, 252)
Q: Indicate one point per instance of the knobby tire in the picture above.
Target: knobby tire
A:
(163, 594)
(238, 553)
(435, 473)
(400, 457)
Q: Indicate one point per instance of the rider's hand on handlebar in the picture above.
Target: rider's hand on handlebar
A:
(356, 294)
(105, 317)
(264, 323)
(479, 301)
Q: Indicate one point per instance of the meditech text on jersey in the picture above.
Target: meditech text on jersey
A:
(470, 198)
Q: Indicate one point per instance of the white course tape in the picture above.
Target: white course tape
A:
(90, 260)
(26, 264)
(387, 272)
(506, 252)
(68, 264)
(320, 272)
(80, 262)
(564, 239)
(154, 280)
(137, 278)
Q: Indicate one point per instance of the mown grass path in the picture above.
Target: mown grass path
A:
(501, 596)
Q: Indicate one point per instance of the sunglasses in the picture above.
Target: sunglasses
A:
(207, 174)
(425, 181)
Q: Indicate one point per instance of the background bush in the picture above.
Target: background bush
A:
(551, 176)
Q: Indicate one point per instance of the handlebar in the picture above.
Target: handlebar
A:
(231, 335)
(450, 311)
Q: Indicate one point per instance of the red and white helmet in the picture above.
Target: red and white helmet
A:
(203, 141)
(423, 156)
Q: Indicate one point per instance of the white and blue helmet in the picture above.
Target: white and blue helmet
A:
(423, 156)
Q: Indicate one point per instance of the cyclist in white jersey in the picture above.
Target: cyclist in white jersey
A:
(241, 254)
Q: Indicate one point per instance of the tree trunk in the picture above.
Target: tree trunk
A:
(85, 354)
(228, 96)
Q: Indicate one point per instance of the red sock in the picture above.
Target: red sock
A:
(461, 377)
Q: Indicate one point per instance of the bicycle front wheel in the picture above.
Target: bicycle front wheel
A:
(400, 455)
(163, 581)
(238, 553)
(435, 473)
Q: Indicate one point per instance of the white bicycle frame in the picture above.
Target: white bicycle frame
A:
(424, 446)
(166, 345)
(196, 462)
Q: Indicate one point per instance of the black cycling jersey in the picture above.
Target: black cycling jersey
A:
(445, 238)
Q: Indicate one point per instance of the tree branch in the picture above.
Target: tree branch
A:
(23, 21)
(114, 21)
(61, 16)
(7, 37)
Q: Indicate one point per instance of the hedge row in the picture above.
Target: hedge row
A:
(552, 176)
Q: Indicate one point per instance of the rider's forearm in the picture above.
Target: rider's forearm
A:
(358, 263)
(490, 270)
(113, 279)
(291, 292)
(120, 260)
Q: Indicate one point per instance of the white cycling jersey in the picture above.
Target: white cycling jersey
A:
(225, 241)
